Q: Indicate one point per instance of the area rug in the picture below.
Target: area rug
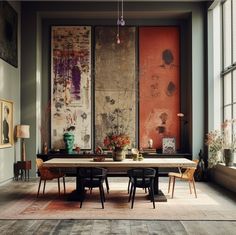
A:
(21, 203)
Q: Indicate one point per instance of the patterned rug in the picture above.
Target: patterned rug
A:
(18, 201)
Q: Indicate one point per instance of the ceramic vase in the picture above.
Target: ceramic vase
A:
(118, 154)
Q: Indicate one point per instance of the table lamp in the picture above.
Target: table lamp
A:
(22, 131)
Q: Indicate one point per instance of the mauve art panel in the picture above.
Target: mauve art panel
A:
(71, 85)
(115, 83)
(159, 85)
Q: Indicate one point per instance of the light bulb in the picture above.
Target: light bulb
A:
(118, 40)
(122, 22)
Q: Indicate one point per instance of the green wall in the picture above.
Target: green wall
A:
(10, 90)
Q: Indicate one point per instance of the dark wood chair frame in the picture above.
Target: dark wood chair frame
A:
(141, 178)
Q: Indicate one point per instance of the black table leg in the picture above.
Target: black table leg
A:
(78, 194)
(158, 194)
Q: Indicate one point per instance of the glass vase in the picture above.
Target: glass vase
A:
(228, 157)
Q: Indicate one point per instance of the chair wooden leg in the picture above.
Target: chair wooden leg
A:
(190, 189)
(39, 187)
(130, 192)
(101, 196)
(134, 190)
(194, 188)
(173, 187)
(152, 195)
(129, 185)
(59, 190)
(64, 184)
(169, 184)
(107, 185)
(44, 185)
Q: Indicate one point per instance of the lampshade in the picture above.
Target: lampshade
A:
(22, 131)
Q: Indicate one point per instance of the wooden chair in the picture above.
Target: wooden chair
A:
(188, 175)
(47, 174)
(93, 177)
(142, 178)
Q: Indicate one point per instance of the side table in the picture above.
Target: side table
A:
(22, 168)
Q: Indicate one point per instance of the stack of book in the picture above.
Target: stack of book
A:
(149, 150)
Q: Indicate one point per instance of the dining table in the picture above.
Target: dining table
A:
(109, 163)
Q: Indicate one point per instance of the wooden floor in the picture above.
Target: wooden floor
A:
(105, 227)
(99, 226)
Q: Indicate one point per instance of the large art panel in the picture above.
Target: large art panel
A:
(159, 85)
(8, 33)
(71, 85)
(115, 83)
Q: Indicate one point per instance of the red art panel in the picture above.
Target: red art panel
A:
(159, 88)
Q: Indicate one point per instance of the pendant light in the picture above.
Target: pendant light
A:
(120, 19)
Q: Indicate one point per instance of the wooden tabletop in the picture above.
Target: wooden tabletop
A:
(109, 163)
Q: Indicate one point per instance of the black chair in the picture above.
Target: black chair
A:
(93, 178)
(142, 178)
(129, 172)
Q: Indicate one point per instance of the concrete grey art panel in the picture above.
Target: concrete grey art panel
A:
(115, 83)
(71, 85)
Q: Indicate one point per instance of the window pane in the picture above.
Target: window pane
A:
(227, 33)
(227, 89)
(227, 112)
(234, 31)
(234, 116)
(234, 127)
(234, 86)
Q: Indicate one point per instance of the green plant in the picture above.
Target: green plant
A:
(113, 141)
(217, 140)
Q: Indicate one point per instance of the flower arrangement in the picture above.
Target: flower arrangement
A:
(217, 140)
(113, 141)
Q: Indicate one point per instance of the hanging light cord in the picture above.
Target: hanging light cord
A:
(120, 19)
(118, 23)
(118, 12)
(122, 22)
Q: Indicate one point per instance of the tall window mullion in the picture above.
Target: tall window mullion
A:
(234, 30)
(229, 61)
(227, 32)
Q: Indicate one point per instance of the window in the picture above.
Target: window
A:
(229, 60)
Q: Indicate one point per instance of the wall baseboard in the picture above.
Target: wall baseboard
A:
(6, 181)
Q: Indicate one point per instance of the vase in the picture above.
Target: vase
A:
(228, 157)
(118, 154)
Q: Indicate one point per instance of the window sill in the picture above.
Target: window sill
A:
(226, 169)
(224, 176)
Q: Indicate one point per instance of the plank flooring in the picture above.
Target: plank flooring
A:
(223, 199)
(112, 227)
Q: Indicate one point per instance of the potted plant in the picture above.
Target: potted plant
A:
(118, 143)
(222, 144)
